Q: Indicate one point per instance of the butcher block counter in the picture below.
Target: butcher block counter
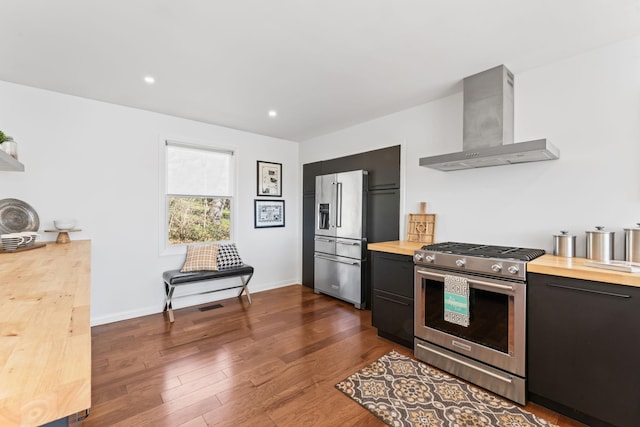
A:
(546, 264)
(45, 333)
(400, 247)
(574, 268)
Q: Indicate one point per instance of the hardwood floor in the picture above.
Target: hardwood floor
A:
(272, 363)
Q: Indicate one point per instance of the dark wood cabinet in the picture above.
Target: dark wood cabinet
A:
(309, 173)
(583, 349)
(392, 304)
(308, 231)
(383, 206)
(383, 215)
(344, 164)
(386, 171)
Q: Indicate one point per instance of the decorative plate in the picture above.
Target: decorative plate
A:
(17, 216)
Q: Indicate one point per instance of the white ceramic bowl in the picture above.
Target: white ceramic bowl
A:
(64, 224)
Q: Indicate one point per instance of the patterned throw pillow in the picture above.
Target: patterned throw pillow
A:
(228, 256)
(201, 258)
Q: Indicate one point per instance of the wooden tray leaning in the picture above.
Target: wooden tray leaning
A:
(421, 228)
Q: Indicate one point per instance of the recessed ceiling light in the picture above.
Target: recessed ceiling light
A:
(273, 113)
(149, 80)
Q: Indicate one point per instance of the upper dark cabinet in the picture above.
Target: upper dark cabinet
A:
(384, 168)
(343, 164)
(383, 215)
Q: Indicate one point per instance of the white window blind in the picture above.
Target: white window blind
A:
(199, 193)
(199, 171)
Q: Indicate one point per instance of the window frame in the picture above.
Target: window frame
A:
(165, 248)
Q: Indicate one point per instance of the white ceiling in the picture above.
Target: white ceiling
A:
(323, 65)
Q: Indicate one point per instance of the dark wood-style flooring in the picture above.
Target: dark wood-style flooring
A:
(272, 363)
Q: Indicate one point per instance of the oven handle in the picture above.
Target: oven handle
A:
(468, 365)
(479, 282)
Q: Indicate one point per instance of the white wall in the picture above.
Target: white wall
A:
(99, 163)
(587, 105)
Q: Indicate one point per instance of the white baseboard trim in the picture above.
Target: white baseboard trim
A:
(187, 301)
(123, 315)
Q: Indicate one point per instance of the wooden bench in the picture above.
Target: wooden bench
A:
(174, 278)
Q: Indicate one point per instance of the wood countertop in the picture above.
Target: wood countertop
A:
(45, 333)
(401, 247)
(546, 264)
(575, 268)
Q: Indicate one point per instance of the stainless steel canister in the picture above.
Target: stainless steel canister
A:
(564, 244)
(600, 244)
(632, 244)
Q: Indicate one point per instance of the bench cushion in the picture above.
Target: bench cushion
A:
(175, 277)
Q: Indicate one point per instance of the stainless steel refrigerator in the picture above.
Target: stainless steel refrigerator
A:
(340, 236)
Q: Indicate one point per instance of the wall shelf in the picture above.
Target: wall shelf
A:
(8, 163)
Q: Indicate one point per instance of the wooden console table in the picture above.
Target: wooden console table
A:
(45, 334)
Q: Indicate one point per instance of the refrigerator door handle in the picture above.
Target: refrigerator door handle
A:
(339, 204)
(337, 260)
(339, 242)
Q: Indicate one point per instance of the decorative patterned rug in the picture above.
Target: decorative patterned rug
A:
(401, 391)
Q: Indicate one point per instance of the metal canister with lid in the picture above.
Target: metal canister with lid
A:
(564, 244)
(600, 244)
(632, 244)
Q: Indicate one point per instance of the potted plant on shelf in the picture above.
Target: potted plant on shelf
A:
(8, 145)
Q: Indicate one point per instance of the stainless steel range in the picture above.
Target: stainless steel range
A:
(470, 313)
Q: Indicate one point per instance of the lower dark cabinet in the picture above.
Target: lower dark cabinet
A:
(393, 316)
(583, 349)
(392, 305)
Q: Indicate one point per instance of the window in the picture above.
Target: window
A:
(199, 194)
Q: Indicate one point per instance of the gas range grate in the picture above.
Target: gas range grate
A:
(485, 251)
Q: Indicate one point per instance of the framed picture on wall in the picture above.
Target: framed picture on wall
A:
(268, 213)
(269, 179)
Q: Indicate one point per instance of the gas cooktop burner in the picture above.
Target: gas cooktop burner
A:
(485, 251)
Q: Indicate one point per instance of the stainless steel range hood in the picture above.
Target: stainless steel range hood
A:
(488, 127)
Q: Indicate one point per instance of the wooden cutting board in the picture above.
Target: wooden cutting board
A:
(421, 227)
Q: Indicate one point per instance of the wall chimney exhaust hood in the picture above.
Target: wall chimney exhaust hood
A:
(488, 127)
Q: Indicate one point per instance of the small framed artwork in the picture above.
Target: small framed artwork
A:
(269, 179)
(268, 213)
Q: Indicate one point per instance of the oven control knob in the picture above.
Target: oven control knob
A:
(418, 257)
(429, 258)
(513, 269)
(496, 268)
(460, 262)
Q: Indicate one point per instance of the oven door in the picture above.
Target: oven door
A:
(496, 331)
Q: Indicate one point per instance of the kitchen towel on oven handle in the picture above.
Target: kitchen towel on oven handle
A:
(456, 300)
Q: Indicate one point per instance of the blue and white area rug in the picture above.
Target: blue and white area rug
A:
(401, 391)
